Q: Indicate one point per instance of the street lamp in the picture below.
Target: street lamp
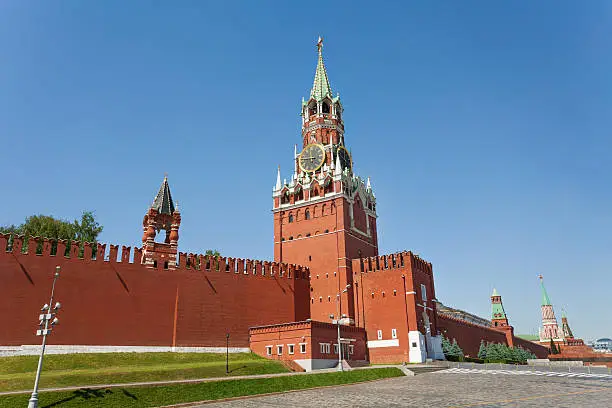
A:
(48, 316)
(331, 316)
(227, 353)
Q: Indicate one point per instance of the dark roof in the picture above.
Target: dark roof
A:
(163, 201)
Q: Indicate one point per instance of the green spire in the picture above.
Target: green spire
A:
(320, 87)
(545, 299)
(497, 309)
(563, 316)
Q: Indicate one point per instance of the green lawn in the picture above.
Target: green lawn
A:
(17, 373)
(172, 394)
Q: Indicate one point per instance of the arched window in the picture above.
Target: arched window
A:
(338, 111)
(307, 215)
(325, 107)
(290, 217)
(312, 109)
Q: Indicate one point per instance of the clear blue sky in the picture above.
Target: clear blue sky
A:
(485, 128)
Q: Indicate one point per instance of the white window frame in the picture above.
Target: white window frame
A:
(322, 348)
(379, 334)
(279, 349)
(335, 348)
(423, 293)
(327, 348)
(302, 348)
(291, 348)
(269, 350)
(394, 333)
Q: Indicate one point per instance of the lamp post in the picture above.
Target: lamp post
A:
(47, 315)
(227, 353)
(331, 316)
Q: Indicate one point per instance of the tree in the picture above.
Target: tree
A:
(212, 252)
(46, 226)
(456, 350)
(451, 351)
(482, 351)
(446, 346)
(493, 354)
(553, 347)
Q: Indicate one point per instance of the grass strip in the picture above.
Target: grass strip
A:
(180, 393)
(21, 364)
(158, 367)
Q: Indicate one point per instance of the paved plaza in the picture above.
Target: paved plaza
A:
(453, 388)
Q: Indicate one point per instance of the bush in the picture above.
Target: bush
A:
(500, 353)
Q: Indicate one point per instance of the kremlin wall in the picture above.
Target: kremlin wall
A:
(327, 271)
(114, 302)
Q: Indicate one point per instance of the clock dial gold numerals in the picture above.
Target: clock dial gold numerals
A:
(345, 158)
(312, 157)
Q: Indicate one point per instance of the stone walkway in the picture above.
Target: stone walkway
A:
(444, 389)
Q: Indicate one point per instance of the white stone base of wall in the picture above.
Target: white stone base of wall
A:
(317, 363)
(28, 350)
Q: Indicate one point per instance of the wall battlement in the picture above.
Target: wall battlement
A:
(398, 260)
(109, 253)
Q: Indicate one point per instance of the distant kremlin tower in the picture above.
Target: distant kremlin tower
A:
(550, 329)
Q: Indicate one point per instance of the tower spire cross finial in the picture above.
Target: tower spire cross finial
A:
(321, 87)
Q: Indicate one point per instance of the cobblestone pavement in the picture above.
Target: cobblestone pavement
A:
(448, 389)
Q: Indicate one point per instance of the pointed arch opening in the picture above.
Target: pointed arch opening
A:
(312, 109)
(325, 107)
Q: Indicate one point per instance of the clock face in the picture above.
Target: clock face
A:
(345, 158)
(312, 157)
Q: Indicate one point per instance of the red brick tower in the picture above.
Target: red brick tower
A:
(498, 315)
(567, 332)
(162, 215)
(325, 215)
(550, 329)
(499, 320)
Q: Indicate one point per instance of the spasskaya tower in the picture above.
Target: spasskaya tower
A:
(324, 215)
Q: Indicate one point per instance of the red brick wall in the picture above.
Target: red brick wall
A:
(312, 333)
(295, 333)
(120, 303)
(470, 335)
(389, 297)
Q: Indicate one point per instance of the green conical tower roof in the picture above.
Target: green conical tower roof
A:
(320, 87)
(497, 309)
(545, 299)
